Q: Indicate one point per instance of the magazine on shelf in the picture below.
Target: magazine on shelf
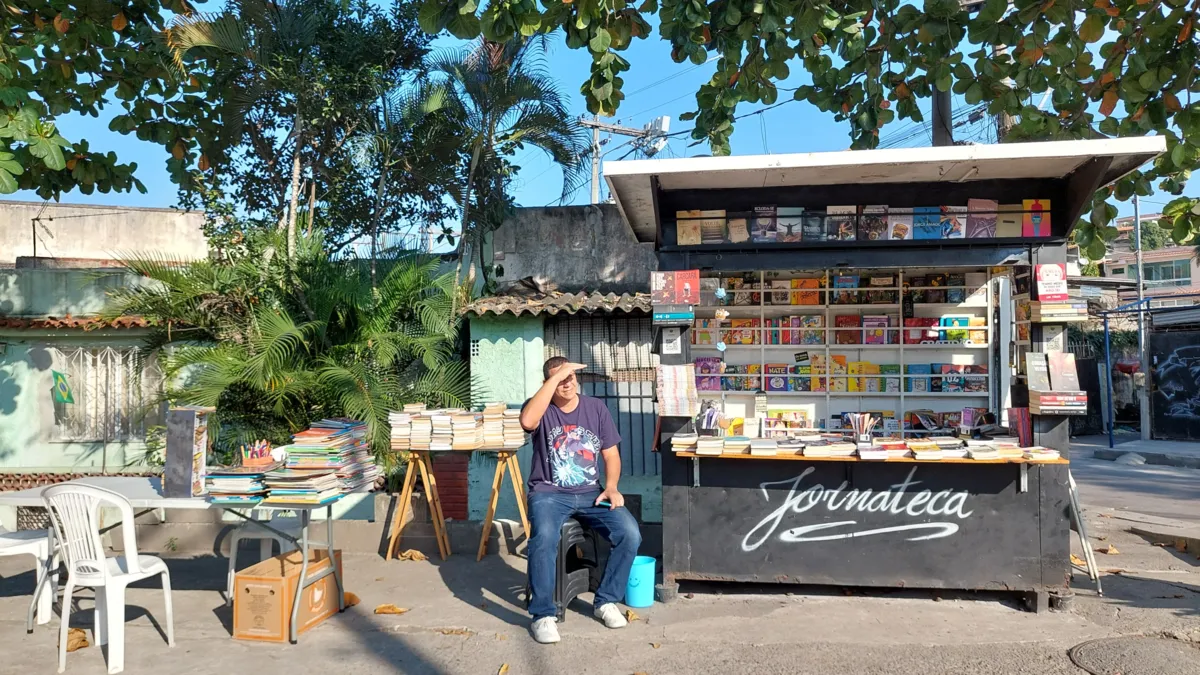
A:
(1035, 221)
(842, 222)
(764, 229)
(687, 228)
(789, 222)
(953, 222)
(981, 218)
(900, 223)
(873, 224)
(1008, 220)
(739, 231)
(1037, 371)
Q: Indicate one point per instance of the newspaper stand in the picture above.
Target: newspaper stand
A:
(936, 524)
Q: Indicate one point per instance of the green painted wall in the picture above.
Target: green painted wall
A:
(506, 365)
(59, 292)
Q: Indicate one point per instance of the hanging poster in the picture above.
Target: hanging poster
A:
(1052, 282)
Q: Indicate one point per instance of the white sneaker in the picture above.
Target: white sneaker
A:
(611, 616)
(545, 630)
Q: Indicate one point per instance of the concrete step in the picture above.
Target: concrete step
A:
(1186, 461)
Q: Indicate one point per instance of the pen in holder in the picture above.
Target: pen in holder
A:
(862, 424)
(257, 453)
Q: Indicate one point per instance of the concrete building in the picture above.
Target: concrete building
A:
(1171, 271)
(573, 282)
(49, 307)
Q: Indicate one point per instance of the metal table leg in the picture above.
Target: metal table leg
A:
(337, 576)
(302, 582)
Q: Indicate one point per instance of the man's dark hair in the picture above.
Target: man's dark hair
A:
(552, 363)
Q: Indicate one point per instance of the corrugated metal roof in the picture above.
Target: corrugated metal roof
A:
(1175, 318)
(564, 303)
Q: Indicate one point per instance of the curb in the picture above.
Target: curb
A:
(1156, 458)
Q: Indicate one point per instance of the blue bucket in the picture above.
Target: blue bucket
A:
(640, 590)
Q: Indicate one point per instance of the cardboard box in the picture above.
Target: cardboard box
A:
(262, 596)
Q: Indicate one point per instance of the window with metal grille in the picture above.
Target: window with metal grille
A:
(116, 392)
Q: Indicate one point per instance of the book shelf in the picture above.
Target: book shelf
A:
(766, 346)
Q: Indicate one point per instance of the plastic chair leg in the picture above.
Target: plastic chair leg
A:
(166, 581)
(100, 618)
(64, 626)
(114, 627)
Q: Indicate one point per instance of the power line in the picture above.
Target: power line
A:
(671, 77)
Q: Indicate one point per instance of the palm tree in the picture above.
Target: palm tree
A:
(273, 353)
(273, 43)
(505, 100)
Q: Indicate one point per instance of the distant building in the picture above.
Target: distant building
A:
(49, 322)
(1171, 271)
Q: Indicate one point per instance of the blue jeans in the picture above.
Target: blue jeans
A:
(547, 513)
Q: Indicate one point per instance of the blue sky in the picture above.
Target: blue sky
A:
(654, 86)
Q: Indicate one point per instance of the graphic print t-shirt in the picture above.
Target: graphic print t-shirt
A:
(566, 447)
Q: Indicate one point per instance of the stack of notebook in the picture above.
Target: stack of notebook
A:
(493, 425)
(422, 433)
(710, 445)
(925, 450)
(289, 486)
(401, 433)
(684, 442)
(514, 435)
(441, 430)
(338, 445)
(236, 485)
(763, 447)
(467, 431)
(736, 445)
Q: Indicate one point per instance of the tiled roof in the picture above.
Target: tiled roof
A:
(13, 482)
(68, 321)
(566, 303)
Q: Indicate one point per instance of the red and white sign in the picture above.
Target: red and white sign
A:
(1051, 282)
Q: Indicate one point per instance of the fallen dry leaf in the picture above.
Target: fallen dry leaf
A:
(76, 639)
(1076, 560)
(1110, 550)
(413, 554)
(503, 669)
(390, 609)
(631, 616)
(351, 599)
(1104, 515)
(655, 645)
(378, 578)
(1114, 570)
(455, 631)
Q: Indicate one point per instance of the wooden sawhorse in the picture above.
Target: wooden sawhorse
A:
(419, 462)
(506, 460)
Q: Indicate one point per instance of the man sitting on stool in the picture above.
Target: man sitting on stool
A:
(570, 433)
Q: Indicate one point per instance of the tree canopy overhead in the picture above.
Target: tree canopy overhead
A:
(1116, 67)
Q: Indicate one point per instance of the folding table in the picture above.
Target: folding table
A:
(146, 493)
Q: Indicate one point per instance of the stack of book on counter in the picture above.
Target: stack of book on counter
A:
(951, 447)
(711, 446)
(925, 450)
(817, 448)
(467, 431)
(982, 450)
(1072, 310)
(401, 434)
(493, 425)
(422, 432)
(790, 446)
(684, 442)
(1054, 384)
(302, 488)
(1009, 450)
(337, 445)
(514, 434)
(895, 449)
(764, 447)
(872, 452)
(441, 430)
(236, 485)
(736, 445)
(842, 449)
(1040, 454)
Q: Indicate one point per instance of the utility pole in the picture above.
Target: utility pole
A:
(1143, 351)
(648, 138)
(943, 129)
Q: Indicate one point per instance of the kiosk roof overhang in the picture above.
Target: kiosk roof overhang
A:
(634, 184)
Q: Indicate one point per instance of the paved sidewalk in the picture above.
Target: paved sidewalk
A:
(1164, 453)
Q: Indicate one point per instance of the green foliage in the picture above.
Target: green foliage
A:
(275, 343)
(60, 57)
(1090, 269)
(1116, 67)
(1153, 236)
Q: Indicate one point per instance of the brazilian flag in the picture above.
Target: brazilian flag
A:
(62, 390)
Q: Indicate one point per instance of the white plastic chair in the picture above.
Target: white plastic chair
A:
(250, 530)
(75, 512)
(37, 543)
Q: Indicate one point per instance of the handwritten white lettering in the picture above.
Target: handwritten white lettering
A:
(922, 504)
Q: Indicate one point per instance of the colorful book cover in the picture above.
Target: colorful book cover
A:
(1037, 371)
(918, 330)
(917, 285)
(687, 228)
(873, 224)
(900, 223)
(935, 281)
(951, 420)
(847, 337)
(871, 384)
(881, 297)
(743, 332)
(875, 330)
(789, 224)
(712, 226)
(841, 222)
(845, 297)
(981, 218)
(777, 377)
(953, 222)
(811, 333)
(935, 383)
(1063, 374)
(855, 384)
(890, 383)
(662, 288)
(1008, 220)
(765, 229)
(927, 222)
(809, 293)
(956, 287)
(1035, 221)
(702, 333)
(917, 384)
(687, 288)
(813, 228)
(739, 232)
(781, 293)
(1051, 282)
(837, 367)
(957, 328)
(952, 378)
(978, 332)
